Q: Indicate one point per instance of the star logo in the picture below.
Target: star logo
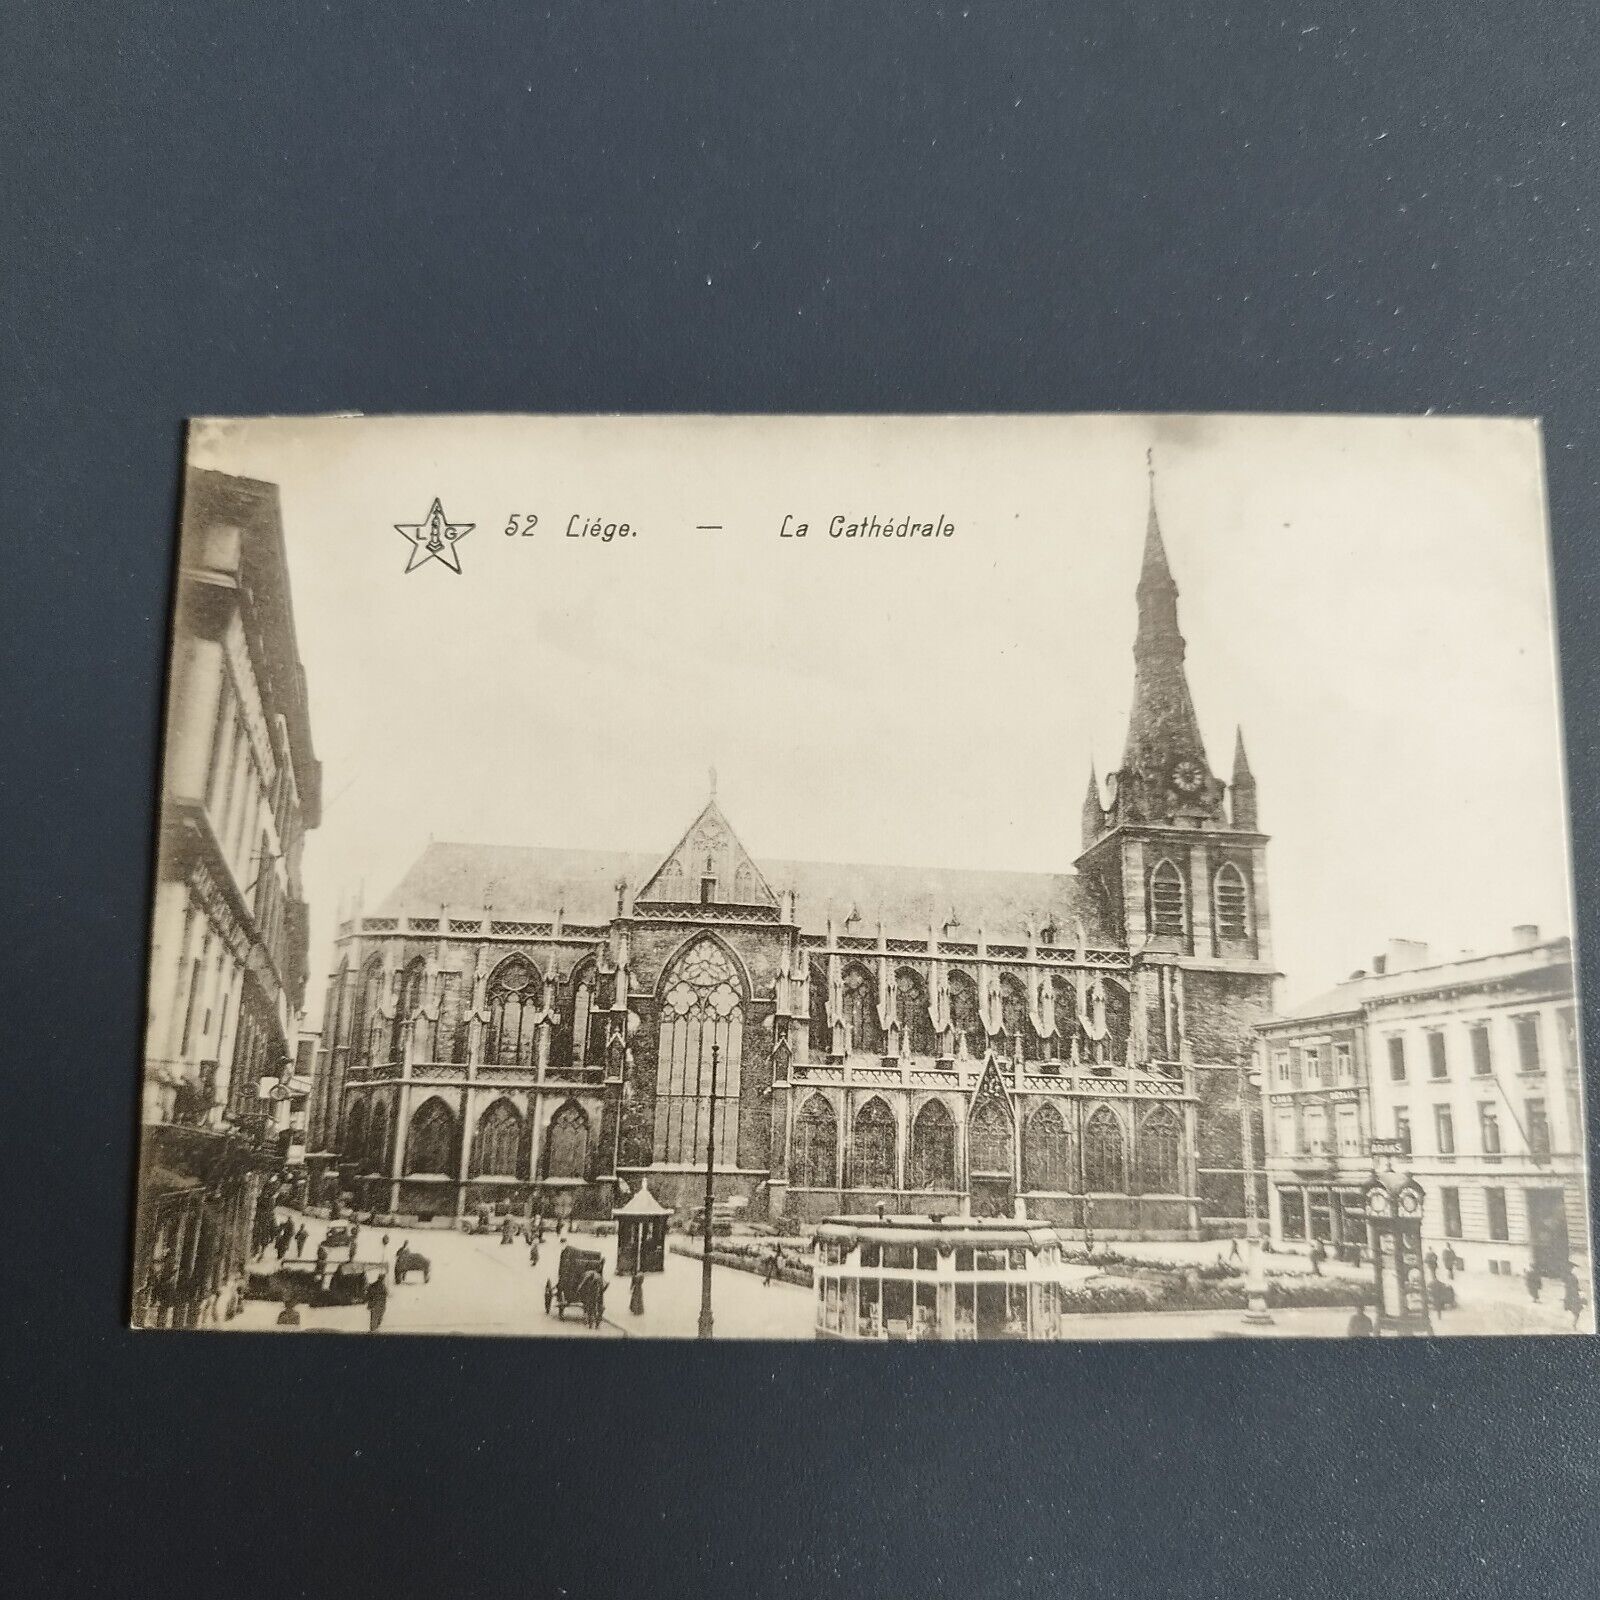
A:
(434, 538)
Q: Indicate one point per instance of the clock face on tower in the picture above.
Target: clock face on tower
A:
(1188, 776)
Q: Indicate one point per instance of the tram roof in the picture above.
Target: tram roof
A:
(914, 1229)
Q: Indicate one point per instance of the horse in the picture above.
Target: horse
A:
(407, 1260)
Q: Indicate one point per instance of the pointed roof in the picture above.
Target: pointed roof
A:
(1155, 568)
(1241, 762)
(643, 1204)
(709, 848)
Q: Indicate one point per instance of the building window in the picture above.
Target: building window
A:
(966, 1020)
(566, 1150)
(816, 1146)
(1348, 1125)
(1166, 900)
(377, 1159)
(580, 1025)
(1450, 1206)
(1527, 1028)
(1045, 1163)
(1313, 1063)
(1444, 1130)
(1494, 1205)
(1161, 1152)
(1567, 1032)
(1292, 1213)
(1397, 1059)
(368, 996)
(407, 1006)
(1316, 1131)
(861, 1013)
(1014, 1020)
(497, 1148)
(516, 997)
(1233, 905)
(1438, 1062)
(354, 1144)
(873, 1147)
(1402, 1129)
(933, 1148)
(1103, 1169)
(1489, 1129)
(1343, 1064)
(430, 1144)
(1538, 1125)
(1482, 1057)
(702, 1009)
(989, 1139)
(1280, 1066)
(911, 1012)
(1288, 1144)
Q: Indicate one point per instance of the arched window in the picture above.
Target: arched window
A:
(861, 1012)
(702, 1007)
(497, 1147)
(819, 1035)
(1066, 998)
(1044, 1151)
(581, 1013)
(815, 1162)
(965, 1016)
(1104, 1170)
(873, 1147)
(1233, 905)
(354, 1144)
(1167, 900)
(566, 1151)
(337, 1013)
(407, 1006)
(669, 886)
(1021, 1041)
(516, 997)
(377, 1153)
(911, 1011)
(989, 1138)
(744, 885)
(368, 995)
(431, 1141)
(1161, 1152)
(933, 1148)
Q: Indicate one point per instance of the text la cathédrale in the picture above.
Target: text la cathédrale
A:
(889, 526)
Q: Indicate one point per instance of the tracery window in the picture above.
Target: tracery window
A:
(1161, 1152)
(368, 995)
(933, 1148)
(1021, 1040)
(965, 1017)
(354, 1143)
(497, 1147)
(1104, 1166)
(861, 1012)
(1233, 904)
(377, 1154)
(1166, 900)
(820, 1034)
(516, 998)
(431, 1141)
(702, 1007)
(989, 1138)
(566, 1151)
(911, 1011)
(873, 1147)
(1045, 1162)
(407, 1005)
(815, 1163)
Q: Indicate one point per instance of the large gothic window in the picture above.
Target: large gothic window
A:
(702, 1009)
(368, 995)
(355, 1133)
(497, 1148)
(580, 1021)
(1104, 1169)
(873, 1147)
(861, 1012)
(815, 1162)
(911, 1011)
(566, 1151)
(407, 1006)
(1167, 900)
(989, 1138)
(430, 1145)
(377, 1152)
(1233, 905)
(933, 1148)
(516, 997)
(820, 1034)
(1045, 1163)
(965, 1017)
(1161, 1152)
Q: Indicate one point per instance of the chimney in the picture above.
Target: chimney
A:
(1525, 936)
(1405, 954)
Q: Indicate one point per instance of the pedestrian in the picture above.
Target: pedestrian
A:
(589, 1297)
(377, 1302)
(1317, 1254)
(1360, 1325)
(1233, 1249)
(539, 1235)
(1451, 1261)
(533, 1254)
(772, 1267)
(1572, 1297)
(506, 1234)
(300, 1237)
(1431, 1262)
(636, 1295)
(1531, 1278)
(1440, 1296)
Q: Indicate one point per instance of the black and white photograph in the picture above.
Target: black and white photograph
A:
(866, 879)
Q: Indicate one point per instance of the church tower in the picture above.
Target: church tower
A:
(1177, 865)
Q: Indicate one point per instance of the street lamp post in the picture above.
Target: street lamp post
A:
(1255, 1277)
(705, 1239)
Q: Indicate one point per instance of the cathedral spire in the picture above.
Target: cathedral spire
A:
(1243, 787)
(1164, 767)
(1094, 816)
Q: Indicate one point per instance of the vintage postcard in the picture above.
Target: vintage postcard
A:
(863, 878)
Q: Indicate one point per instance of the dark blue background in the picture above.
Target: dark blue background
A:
(493, 206)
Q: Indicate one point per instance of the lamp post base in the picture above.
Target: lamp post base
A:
(1256, 1313)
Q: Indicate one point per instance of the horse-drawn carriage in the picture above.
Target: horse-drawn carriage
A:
(580, 1274)
(407, 1260)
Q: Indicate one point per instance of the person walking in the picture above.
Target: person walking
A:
(1318, 1255)
(1451, 1261)
(1360, 1325)
(636, 1295)
(533, 1254)
(771, 1268)
(1431, 1262)
(1233, 1249)
(300, 1237)
(1572, 1297)
(377, 1302)
(1531, 1278)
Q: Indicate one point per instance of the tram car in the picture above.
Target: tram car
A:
(911, 1277)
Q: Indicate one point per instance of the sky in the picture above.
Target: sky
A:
(1368, 599)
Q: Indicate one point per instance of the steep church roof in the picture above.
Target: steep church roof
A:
(709, 851)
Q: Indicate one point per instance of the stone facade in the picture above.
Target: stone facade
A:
(921, 1040)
